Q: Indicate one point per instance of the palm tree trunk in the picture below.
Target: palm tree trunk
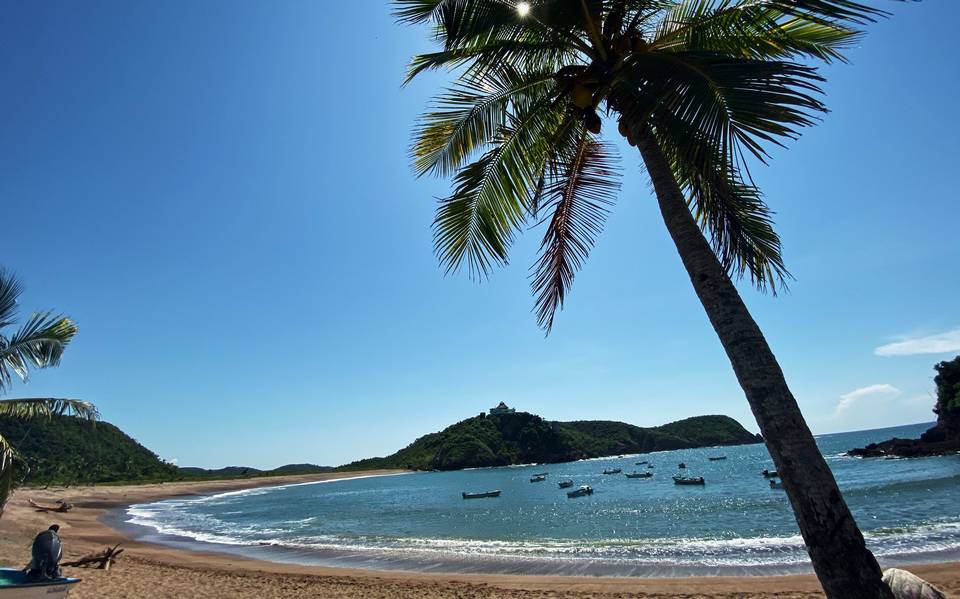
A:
(844, 565)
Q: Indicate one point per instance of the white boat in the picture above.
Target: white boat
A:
(538, 478)
(775, 484)
(15, 584)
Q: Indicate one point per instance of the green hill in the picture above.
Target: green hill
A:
(522, 438)
(63, 450)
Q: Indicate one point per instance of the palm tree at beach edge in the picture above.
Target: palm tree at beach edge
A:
(699, 87)
(38, 343)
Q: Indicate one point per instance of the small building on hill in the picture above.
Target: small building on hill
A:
(501, 409)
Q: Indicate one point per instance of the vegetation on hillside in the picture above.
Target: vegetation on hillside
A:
(520, 438)
(62, 450)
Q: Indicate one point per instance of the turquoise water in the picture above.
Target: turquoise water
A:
(908, 510)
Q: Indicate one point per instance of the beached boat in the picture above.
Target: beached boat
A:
(639, 474)
(770, 473)
(481, 495)
(566, 484)
(717, 458)
(613, 471)
(688, 480)
(681, 465)
(539, 478)
(583, 490)
(775, 484)
(15, 584)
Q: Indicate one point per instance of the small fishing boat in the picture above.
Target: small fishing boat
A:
(639, 474)
(613, 471)
(776, 484)
(16, 584)
(641, 463)
(583, 490)
(681, 465)
(566, 484)
(717, 458)
(688, 480)
(539, 478)
(770, 473)
(481, 495)
(649, 465)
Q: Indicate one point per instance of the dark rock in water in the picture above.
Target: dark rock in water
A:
(909, 586)
(906, 448)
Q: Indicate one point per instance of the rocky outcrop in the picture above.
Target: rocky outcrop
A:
(942, 438)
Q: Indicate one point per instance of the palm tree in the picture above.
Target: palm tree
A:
(38, 343)
(701, 88)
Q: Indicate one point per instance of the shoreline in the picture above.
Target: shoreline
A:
(155, 570)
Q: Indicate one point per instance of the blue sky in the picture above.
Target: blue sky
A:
(219, 194)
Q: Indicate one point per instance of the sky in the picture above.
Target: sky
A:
(220, 194)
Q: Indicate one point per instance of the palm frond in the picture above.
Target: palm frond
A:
(470, 114)
(34, 407)
(755, 30)
(583, 184)
(9, 466)
(731, 212)
(476, 224)
(38, 344)
(734, 104)
(10, 290)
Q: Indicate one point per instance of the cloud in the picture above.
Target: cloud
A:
(874, 392)
(931, 344)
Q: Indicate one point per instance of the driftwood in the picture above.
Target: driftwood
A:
(102, 560)
(61, 506)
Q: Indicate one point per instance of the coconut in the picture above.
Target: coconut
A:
(582, 96)
(592, 121)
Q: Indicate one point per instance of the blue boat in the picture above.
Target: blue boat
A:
(15, 584)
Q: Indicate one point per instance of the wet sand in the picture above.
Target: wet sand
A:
(148, 571)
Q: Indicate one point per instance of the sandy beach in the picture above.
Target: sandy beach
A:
(147, 570)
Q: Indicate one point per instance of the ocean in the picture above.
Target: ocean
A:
(733, 525)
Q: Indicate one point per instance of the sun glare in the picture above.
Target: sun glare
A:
(523, 9)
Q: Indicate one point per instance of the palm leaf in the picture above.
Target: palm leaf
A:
(38, 344)
(583, 184)
(469, 115)
(10, 290)
(34, 407)
(492, 195)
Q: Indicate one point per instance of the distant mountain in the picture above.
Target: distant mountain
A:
(522, 438)
(240, 471)
(64, 450)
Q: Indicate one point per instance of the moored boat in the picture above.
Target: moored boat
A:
(613, 471)
(639, 474)
(688, 480)
(776, 484)
(770, 473)
(566, 484)
(540, 474)
(681, 465)
(583, 490)
(539, 478)
(481, 495)
(717, 458)
(641, 463)
(16, 584)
